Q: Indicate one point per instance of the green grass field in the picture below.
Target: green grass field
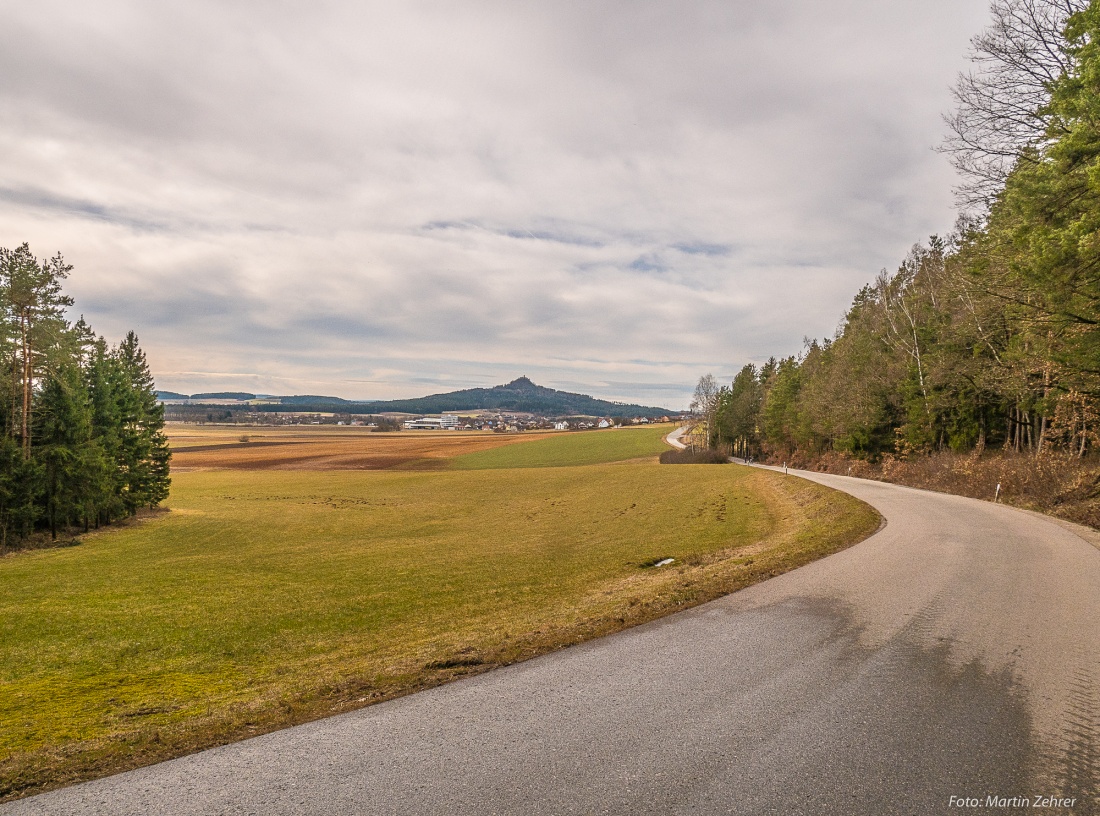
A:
(570, 449)
(271, 597)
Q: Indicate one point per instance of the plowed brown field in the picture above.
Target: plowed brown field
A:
(325, 449)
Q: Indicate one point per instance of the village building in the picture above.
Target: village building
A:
(446, 422)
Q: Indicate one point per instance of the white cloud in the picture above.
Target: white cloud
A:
(365, 199)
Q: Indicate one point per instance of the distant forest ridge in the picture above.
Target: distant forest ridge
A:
(521, 395)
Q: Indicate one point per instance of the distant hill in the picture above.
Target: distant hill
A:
(237, 395)
(243, 396)
(313, 399)
(520, 395)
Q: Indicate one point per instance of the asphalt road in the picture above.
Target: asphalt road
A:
(954, 653)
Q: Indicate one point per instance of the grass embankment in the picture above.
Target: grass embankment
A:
(272, 597)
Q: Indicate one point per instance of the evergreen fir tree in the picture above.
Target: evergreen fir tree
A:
(82, 438)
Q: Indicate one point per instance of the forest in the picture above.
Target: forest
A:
(987, 338)
(82, 440)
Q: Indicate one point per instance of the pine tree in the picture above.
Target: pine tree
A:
(99, 450)
(143, 445)
(65, 448)
(105, 384)
(36, 314)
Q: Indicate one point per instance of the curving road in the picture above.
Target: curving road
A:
(956, 653)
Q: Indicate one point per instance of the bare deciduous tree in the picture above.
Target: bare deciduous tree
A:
(1002, 111)
(705, 401)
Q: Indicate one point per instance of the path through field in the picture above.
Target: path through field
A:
(954, 653)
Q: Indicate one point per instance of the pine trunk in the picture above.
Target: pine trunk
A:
(26, 437)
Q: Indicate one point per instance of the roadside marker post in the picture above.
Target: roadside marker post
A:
(997, 495)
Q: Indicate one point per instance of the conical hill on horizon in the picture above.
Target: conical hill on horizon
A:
(520, 395)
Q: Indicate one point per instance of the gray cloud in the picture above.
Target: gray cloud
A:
(48, 202)
(370, 198)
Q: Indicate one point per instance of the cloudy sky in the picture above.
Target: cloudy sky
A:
(377, 200)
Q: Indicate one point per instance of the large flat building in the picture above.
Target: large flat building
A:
(446, 422)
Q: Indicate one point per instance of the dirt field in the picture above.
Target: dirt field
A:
(324, 448)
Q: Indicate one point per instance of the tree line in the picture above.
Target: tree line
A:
(989, 336)
(82, 440)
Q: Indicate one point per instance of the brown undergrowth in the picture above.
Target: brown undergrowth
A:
(1054, 483)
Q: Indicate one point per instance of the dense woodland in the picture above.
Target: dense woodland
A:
(988, 338)
(82, 442)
